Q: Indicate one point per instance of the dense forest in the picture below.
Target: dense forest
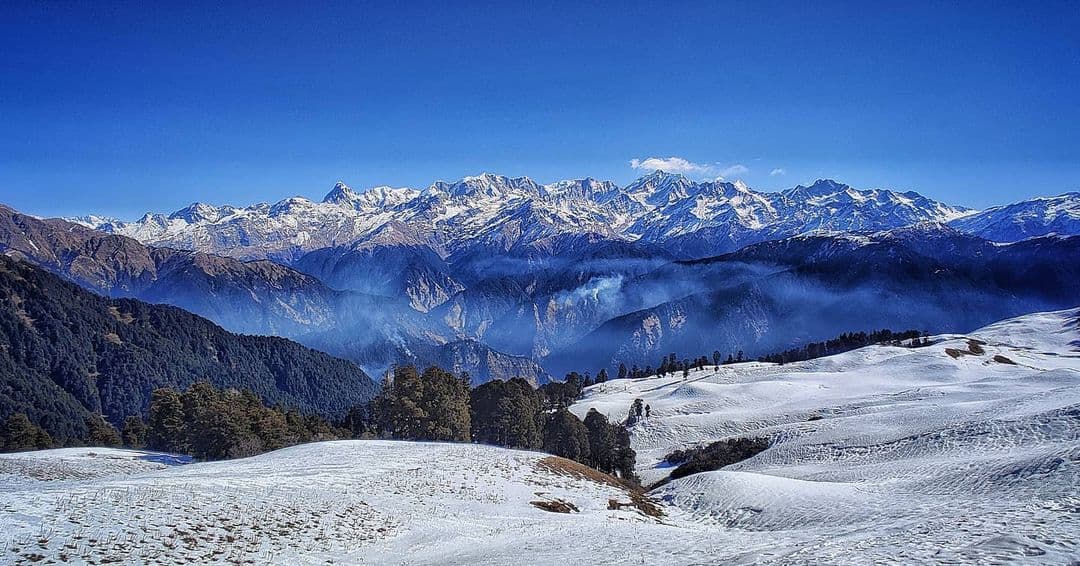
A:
(67, 354)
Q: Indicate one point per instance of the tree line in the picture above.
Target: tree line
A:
(672, 364)
(847, 342)
(437, 405)
(211, 423)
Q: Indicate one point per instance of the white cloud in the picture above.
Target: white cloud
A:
(670, 165)
(777, 172)
(733, 170)
(680, 165)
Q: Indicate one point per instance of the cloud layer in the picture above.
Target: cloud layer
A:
(685, 166)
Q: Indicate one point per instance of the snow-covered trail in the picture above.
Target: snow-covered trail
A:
(885, 453)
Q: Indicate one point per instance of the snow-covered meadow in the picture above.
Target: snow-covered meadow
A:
(883, 454)
(964, 450)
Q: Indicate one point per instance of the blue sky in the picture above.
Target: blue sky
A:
(123, 108)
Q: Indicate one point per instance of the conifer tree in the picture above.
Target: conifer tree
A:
(167, 429)
(18, 434)
(134, 433)
(565, 435)
(101, 432)
(506, 413)
(601, 441)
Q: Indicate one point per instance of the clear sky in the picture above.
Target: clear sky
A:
(123, 108)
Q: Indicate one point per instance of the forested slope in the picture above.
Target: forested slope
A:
(66, 352)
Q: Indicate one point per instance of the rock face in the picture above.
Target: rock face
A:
(774, 295)
(580, 273)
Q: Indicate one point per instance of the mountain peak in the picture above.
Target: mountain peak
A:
(197, 212)
(340, 194)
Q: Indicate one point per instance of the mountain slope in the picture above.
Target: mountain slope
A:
(250, 297)
(66, 352)
(1026, 219)
(885, 453)
(262, 297)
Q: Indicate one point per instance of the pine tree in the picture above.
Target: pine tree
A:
(622, 371)
(506, 413)
(601, 442)
(565, 435)
(134, 433)
(446, 401)
(18, 434)
(101, 432)
(602, 376)
(166, 430)
(434, 407)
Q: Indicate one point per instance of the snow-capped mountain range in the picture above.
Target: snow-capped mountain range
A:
(498, 213)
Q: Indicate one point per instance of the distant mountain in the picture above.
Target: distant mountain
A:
(253, 297)
(1026, 219)
(579, 273)
(492, 214)
(66, 353)
(258, 297)
(777, 294)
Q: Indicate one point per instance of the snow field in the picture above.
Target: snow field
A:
(885, 453)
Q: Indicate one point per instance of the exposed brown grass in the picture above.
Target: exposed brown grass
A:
(1003, 360)
(556, 506)
(564, 467)
(638, 498)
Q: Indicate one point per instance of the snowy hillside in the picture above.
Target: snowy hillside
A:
(890, 452)
(1036, 217)
(963, 451)
(367, 502)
